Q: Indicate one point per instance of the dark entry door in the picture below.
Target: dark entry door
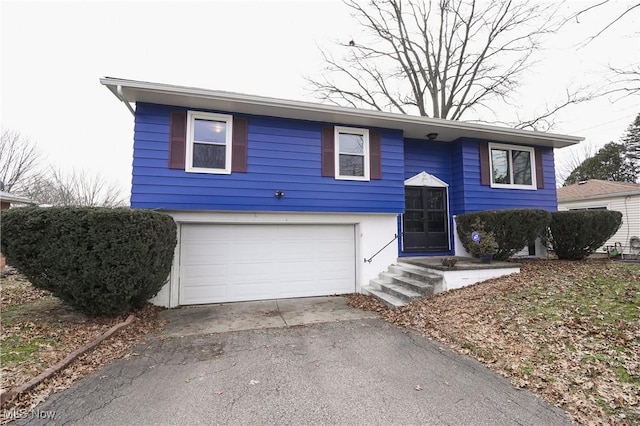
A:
(425, 220)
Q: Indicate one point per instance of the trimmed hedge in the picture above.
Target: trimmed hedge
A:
(100, 261)
(575, 234)
(512, 229)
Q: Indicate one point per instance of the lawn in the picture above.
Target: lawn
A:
(38, 330)
(568, 331)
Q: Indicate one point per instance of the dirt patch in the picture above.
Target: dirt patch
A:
(568, 331)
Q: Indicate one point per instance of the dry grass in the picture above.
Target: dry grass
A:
(568, 331)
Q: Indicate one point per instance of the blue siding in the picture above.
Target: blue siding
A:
(427, 156)
(434, 158)
(282, 154)
(458, 164)
(477, 197)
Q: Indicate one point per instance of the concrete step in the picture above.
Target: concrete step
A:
(416, 272)
(403, 293)
(420, 287)
(389, 300)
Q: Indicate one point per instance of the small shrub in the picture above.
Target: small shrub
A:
(486, 243)
(512, 229)
(97, 260)
(575, 234)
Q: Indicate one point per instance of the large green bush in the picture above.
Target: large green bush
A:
(97, 260)
(512, 229)
(575, 234)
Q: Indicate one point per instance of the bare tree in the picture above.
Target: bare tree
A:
(624, 82)
(628, 9)
(75, 188)
(573, 158)
(620, 82)
(440, 58)
(19, 161)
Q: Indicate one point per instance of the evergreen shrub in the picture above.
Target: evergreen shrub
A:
(100, 261)
(575, 234)
(513, 229)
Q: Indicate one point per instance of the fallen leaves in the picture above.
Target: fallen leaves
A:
(568, 331)
(38, 331)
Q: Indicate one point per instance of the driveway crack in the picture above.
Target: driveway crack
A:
(279, 313)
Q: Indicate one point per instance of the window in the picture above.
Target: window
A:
(588, 208)
(512, 167)
(208, 142)
(352, 153)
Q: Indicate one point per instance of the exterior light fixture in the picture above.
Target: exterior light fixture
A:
(432, 136)
(279, 194)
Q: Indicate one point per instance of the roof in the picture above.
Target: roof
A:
(595, 188)
(7, 196)
(129, 91)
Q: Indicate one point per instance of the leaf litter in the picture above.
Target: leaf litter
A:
(569, 331)
(38, 330)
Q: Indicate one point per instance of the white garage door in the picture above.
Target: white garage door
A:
(228, 263)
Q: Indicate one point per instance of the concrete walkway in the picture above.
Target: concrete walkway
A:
(221, 318)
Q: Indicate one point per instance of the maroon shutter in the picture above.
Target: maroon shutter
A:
(328, 152)
(239, 145)
(485, 167)
(375, 159)
(177, 139)
(539, 169)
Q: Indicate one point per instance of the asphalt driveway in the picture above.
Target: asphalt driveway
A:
(354, 371)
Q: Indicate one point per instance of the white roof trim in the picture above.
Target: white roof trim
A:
(601, 196)
(425, 179)
(414, 127)
(8, 197)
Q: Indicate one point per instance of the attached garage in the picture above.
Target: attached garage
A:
(238, 262)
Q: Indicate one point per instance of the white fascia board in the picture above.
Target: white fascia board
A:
(412, 126)
(612, 195)
(8, 197)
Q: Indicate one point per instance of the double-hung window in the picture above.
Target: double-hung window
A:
(209, 139)
(512, 166)
(351, 153)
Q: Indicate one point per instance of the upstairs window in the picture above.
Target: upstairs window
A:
(352, 153)
(209, 139)
(512, 167)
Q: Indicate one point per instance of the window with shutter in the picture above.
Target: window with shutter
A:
(202, 142)
(351, 154)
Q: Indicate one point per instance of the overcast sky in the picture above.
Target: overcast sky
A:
(53, 54)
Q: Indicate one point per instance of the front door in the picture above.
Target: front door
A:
(425, 221)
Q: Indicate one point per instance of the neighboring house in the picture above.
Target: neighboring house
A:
(6, 200)
(600, 195)
(278, 198)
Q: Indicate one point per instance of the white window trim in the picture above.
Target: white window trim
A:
(354, 131)
(191, 117)
(532, 153)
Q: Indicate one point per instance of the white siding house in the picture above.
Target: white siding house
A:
(600, 194)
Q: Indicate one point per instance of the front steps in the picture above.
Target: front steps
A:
(403, 283)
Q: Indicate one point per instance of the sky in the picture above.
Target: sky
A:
(53, 54)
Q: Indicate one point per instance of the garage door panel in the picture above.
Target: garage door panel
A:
(220, 263)
(198, 293)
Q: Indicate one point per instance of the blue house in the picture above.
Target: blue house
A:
(276, 198)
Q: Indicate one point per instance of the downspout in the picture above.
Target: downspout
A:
(123, 99)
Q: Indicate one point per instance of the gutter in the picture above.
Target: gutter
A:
(121, 96)
(330, 112)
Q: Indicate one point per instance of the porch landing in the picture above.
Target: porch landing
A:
(412, 278)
